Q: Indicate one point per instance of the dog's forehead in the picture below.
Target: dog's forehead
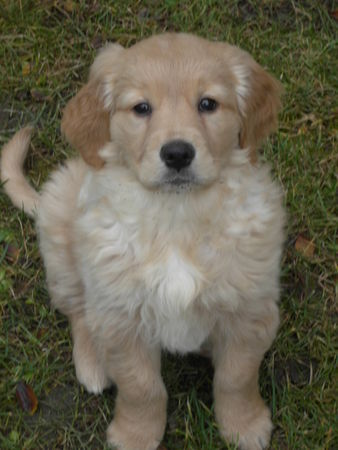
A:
(171, 57)
(173, 45)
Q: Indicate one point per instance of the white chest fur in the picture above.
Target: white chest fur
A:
(171, 310)
(166, 260)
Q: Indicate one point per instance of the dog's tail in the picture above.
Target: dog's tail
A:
(17, 187)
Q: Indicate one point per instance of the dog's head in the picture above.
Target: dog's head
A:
(172, 108)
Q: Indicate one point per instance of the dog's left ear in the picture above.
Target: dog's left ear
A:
(258, 95)
(86, 118)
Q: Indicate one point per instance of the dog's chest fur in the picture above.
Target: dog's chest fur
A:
(172, 262)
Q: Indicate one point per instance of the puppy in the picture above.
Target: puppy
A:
(167, 232)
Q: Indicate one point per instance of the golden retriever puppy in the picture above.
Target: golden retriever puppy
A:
(167, 232)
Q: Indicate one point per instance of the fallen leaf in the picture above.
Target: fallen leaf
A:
(161, 447)
(334, 14)
(26, 68)
(12, 253)
(304, 246)
(26, 397)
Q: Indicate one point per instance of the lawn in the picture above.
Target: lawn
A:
(46, 48)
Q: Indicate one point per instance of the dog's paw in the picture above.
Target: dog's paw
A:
(126, 438)
(254, 435)
(89, 371)
(257, 436)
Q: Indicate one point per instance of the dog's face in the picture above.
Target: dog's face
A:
(173, 107)
(175, 115)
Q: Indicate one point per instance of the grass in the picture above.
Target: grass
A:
(46, 48)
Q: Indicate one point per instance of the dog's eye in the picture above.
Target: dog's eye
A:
(207, 105)
(142, 109)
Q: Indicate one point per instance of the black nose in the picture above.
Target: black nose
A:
(177, 154)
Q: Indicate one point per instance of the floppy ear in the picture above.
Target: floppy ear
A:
(85, 121)
(258, 95)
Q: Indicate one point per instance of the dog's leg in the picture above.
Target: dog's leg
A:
(140, 410)
(89, 371)
(242, 416)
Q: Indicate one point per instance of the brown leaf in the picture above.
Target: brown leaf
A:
(26, 397)
(334, 14)
(304, 246)
(12, 253)
(161, 447)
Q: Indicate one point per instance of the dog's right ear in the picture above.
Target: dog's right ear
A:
(85, 121)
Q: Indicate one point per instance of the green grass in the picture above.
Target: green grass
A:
(46, 48)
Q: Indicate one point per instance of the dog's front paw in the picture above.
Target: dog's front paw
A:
(130, 437)
(248, 435)
(257, 436)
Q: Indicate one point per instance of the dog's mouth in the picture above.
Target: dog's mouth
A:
(183, 179)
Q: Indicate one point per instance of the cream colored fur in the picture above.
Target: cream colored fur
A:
(140, 264)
